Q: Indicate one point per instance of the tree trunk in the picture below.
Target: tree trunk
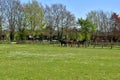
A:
(11, 36)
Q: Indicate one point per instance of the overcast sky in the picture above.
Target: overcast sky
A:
(81, 7)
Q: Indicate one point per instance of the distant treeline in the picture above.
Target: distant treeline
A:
(32, 20)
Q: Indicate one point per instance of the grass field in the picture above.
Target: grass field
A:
(47, 62)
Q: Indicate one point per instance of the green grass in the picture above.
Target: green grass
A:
(47, 62)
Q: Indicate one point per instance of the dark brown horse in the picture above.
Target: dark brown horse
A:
(72, 43)
(63, 43)
(81, 42)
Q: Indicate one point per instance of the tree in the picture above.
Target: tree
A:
(50, 21)
(1, 16)
(86, 28)
(35, 16)
(56, 11)
(69, 22)
(59, 19)
(115, 28)
(101, 20)
(9, 11)
(21, 22)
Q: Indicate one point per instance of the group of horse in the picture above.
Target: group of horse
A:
(72, 43)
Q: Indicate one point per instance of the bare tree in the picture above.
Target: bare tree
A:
(10, 7)
(20, 21)
(102, 22)
(69, 23)
(49, 18)
(59, 19)
(1, 16)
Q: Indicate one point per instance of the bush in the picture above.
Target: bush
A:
(5, 42)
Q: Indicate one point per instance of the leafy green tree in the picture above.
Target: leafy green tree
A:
(86, 28)
(35, 16)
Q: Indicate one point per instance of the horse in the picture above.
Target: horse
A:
(68, 42)
(63, 43)
(72, 43)
(81, 42)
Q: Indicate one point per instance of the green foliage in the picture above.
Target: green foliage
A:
(86, 28)
(71, 36)
(80, 37)
(35, 16)
(20, 36)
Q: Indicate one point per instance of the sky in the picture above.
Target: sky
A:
(80, 8)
